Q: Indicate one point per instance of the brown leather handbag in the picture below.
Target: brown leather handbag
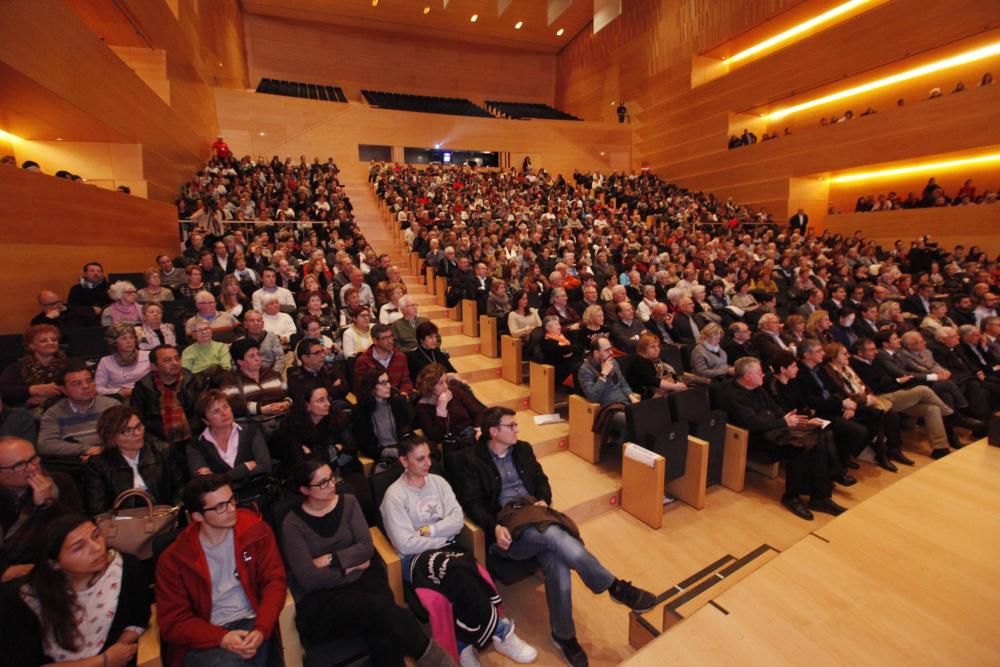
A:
(131, 531)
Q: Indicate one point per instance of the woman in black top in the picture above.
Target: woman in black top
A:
(110, 473)
(648, 375)
(428, 351)
(61, 613)
(310, 432)
(380, 419)
(591, 326)
(337, 580)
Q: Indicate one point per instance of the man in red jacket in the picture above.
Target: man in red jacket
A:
(221, 585)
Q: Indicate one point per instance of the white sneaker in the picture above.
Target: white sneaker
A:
(515, 648)
(469, 657)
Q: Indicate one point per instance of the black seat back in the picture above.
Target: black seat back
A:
(86, 342)
(651, 426)
(693, 406)
(672, 355)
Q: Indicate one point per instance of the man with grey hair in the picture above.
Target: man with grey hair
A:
(907, 356)
(778, 435)
(404, 330)
(990, 327)
(946, 349)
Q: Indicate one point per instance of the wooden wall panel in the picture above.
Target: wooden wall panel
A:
(355, 58)
(968, 225)
(647, 39)
(294, 127)
(80, 86)
(59, 225)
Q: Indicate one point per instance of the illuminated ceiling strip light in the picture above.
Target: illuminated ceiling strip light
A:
(798, 29)
(961, 59)
(7, 136)
(913, 168)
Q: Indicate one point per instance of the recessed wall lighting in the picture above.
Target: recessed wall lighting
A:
(560, 31)
(262, 133)
(58, 138)
(475, 17)
(374, 3)
(932, 167)
(517, 26)
(427, 9)
(966, 57)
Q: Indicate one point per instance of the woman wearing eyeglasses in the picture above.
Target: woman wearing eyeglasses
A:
(123, 306)
(338, 583)
(380, 419)
(129, 461)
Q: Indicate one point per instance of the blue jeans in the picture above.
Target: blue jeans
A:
(559, 552)
(220, 657)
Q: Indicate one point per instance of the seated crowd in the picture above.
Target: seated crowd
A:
(933, 195)
(265, 365)
(603, 270)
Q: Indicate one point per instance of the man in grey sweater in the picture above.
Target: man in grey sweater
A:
(69, 427)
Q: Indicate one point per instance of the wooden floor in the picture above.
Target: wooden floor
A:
(909, 577)
(730, 523)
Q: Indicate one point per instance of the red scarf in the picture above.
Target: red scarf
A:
(175, 422)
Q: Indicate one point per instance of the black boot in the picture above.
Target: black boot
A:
(882, 457)
(949, 429)
(898, 456)
(976, 426)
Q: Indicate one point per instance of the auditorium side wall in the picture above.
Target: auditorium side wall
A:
(355, 58)
(54, 226)
(266, 125)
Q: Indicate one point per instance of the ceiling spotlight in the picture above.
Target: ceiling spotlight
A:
(517, 26)
(437, 145)
(262, 133)
(560, 31)
(58, 138)
(427, 9)
(374, 3)
(475, 17)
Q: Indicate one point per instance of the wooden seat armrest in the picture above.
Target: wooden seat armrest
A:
(393, 564)
(473, 539)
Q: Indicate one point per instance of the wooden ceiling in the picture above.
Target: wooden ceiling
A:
(447, 19)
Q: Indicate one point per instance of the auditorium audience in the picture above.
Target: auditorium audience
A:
(602, 275)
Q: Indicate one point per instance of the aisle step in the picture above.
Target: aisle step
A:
(459, 345)
(581, 489)
(475, 367)
(500, 392)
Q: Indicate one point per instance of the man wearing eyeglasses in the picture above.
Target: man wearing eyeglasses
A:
(29, 498)
(313, 369)
(221, 585)
(500, 470)
(383, 355)
(56, 313)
